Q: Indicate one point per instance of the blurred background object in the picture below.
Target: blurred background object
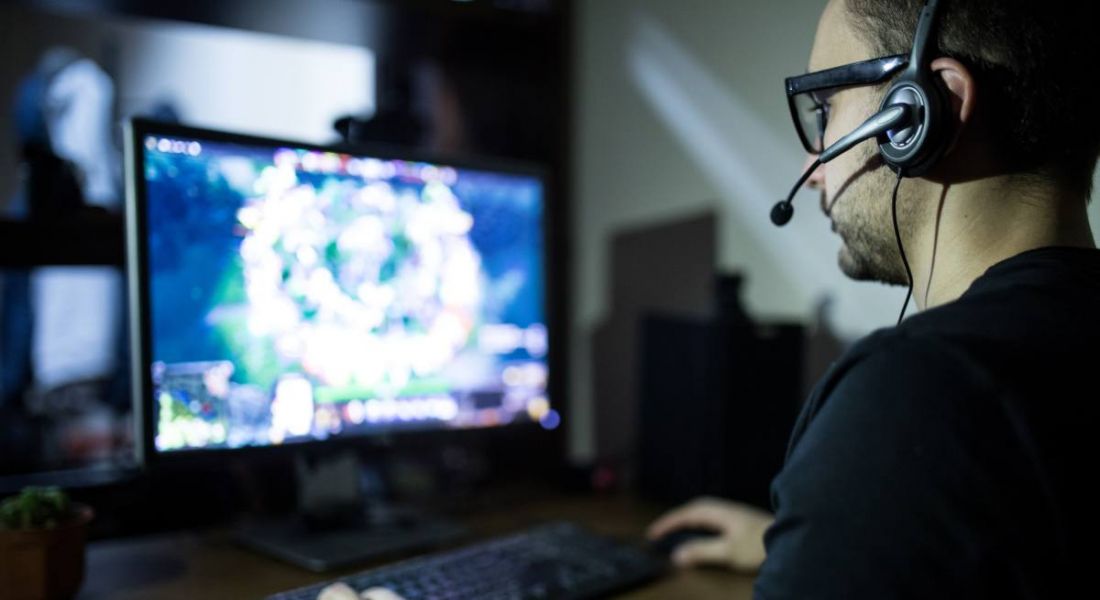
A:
(63, 380)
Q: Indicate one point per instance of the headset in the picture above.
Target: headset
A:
(911, 126)
(911, 151)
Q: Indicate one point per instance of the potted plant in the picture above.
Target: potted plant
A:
(42, 538)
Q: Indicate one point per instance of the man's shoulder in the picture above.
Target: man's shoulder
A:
(906, 441)
(899, 409)
(1037, 297)
(895, 379)
(906, 361)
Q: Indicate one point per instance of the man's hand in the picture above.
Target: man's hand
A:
(342, 591)
(739, 544)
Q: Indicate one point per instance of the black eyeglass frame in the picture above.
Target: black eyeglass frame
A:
(867, 72)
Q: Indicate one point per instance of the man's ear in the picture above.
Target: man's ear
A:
(962, 93)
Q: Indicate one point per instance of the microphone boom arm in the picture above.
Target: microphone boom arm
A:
(890, 118)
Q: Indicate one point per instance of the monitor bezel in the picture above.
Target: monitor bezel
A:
(140, 328)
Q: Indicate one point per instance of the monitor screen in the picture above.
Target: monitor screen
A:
(288, 293)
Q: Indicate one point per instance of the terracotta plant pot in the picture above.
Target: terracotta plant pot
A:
(44, 564)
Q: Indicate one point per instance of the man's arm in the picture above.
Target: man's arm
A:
(897, 488)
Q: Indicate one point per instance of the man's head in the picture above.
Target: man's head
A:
(1017, 78)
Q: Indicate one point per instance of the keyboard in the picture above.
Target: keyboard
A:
(556, 561)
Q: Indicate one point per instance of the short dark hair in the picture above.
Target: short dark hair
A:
(1035, 59)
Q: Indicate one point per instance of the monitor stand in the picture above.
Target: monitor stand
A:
(336, 526)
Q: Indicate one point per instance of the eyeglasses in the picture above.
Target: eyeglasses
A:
(808, 95)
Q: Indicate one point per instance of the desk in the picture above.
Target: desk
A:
(209, 566)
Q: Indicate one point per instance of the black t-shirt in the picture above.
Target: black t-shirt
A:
(953, 456)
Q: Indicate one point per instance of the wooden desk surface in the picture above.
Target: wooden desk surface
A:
(209, 566)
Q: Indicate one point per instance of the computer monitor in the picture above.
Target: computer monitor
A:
(285, 294)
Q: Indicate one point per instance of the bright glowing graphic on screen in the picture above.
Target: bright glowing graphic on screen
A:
(296, 295)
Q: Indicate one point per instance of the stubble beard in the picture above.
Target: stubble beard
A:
(869, 250)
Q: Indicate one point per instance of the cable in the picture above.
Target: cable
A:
(901, 247)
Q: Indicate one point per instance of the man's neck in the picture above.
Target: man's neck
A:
(975, 225)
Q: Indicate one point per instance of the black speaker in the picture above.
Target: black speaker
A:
(719, 398)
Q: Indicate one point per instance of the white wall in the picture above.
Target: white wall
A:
(680, 107)
(242, 81)
(216, 77)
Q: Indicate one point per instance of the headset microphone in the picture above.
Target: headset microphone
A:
(891, 119)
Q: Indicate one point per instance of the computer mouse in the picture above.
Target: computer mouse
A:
(667, 543)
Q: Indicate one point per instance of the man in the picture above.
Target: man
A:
(948, 457)
(944, 458)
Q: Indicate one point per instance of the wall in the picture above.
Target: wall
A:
(680, 108)
(214, 76)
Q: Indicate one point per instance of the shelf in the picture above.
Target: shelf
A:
(94, 239)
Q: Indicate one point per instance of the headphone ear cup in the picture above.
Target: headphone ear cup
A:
(914, 150)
